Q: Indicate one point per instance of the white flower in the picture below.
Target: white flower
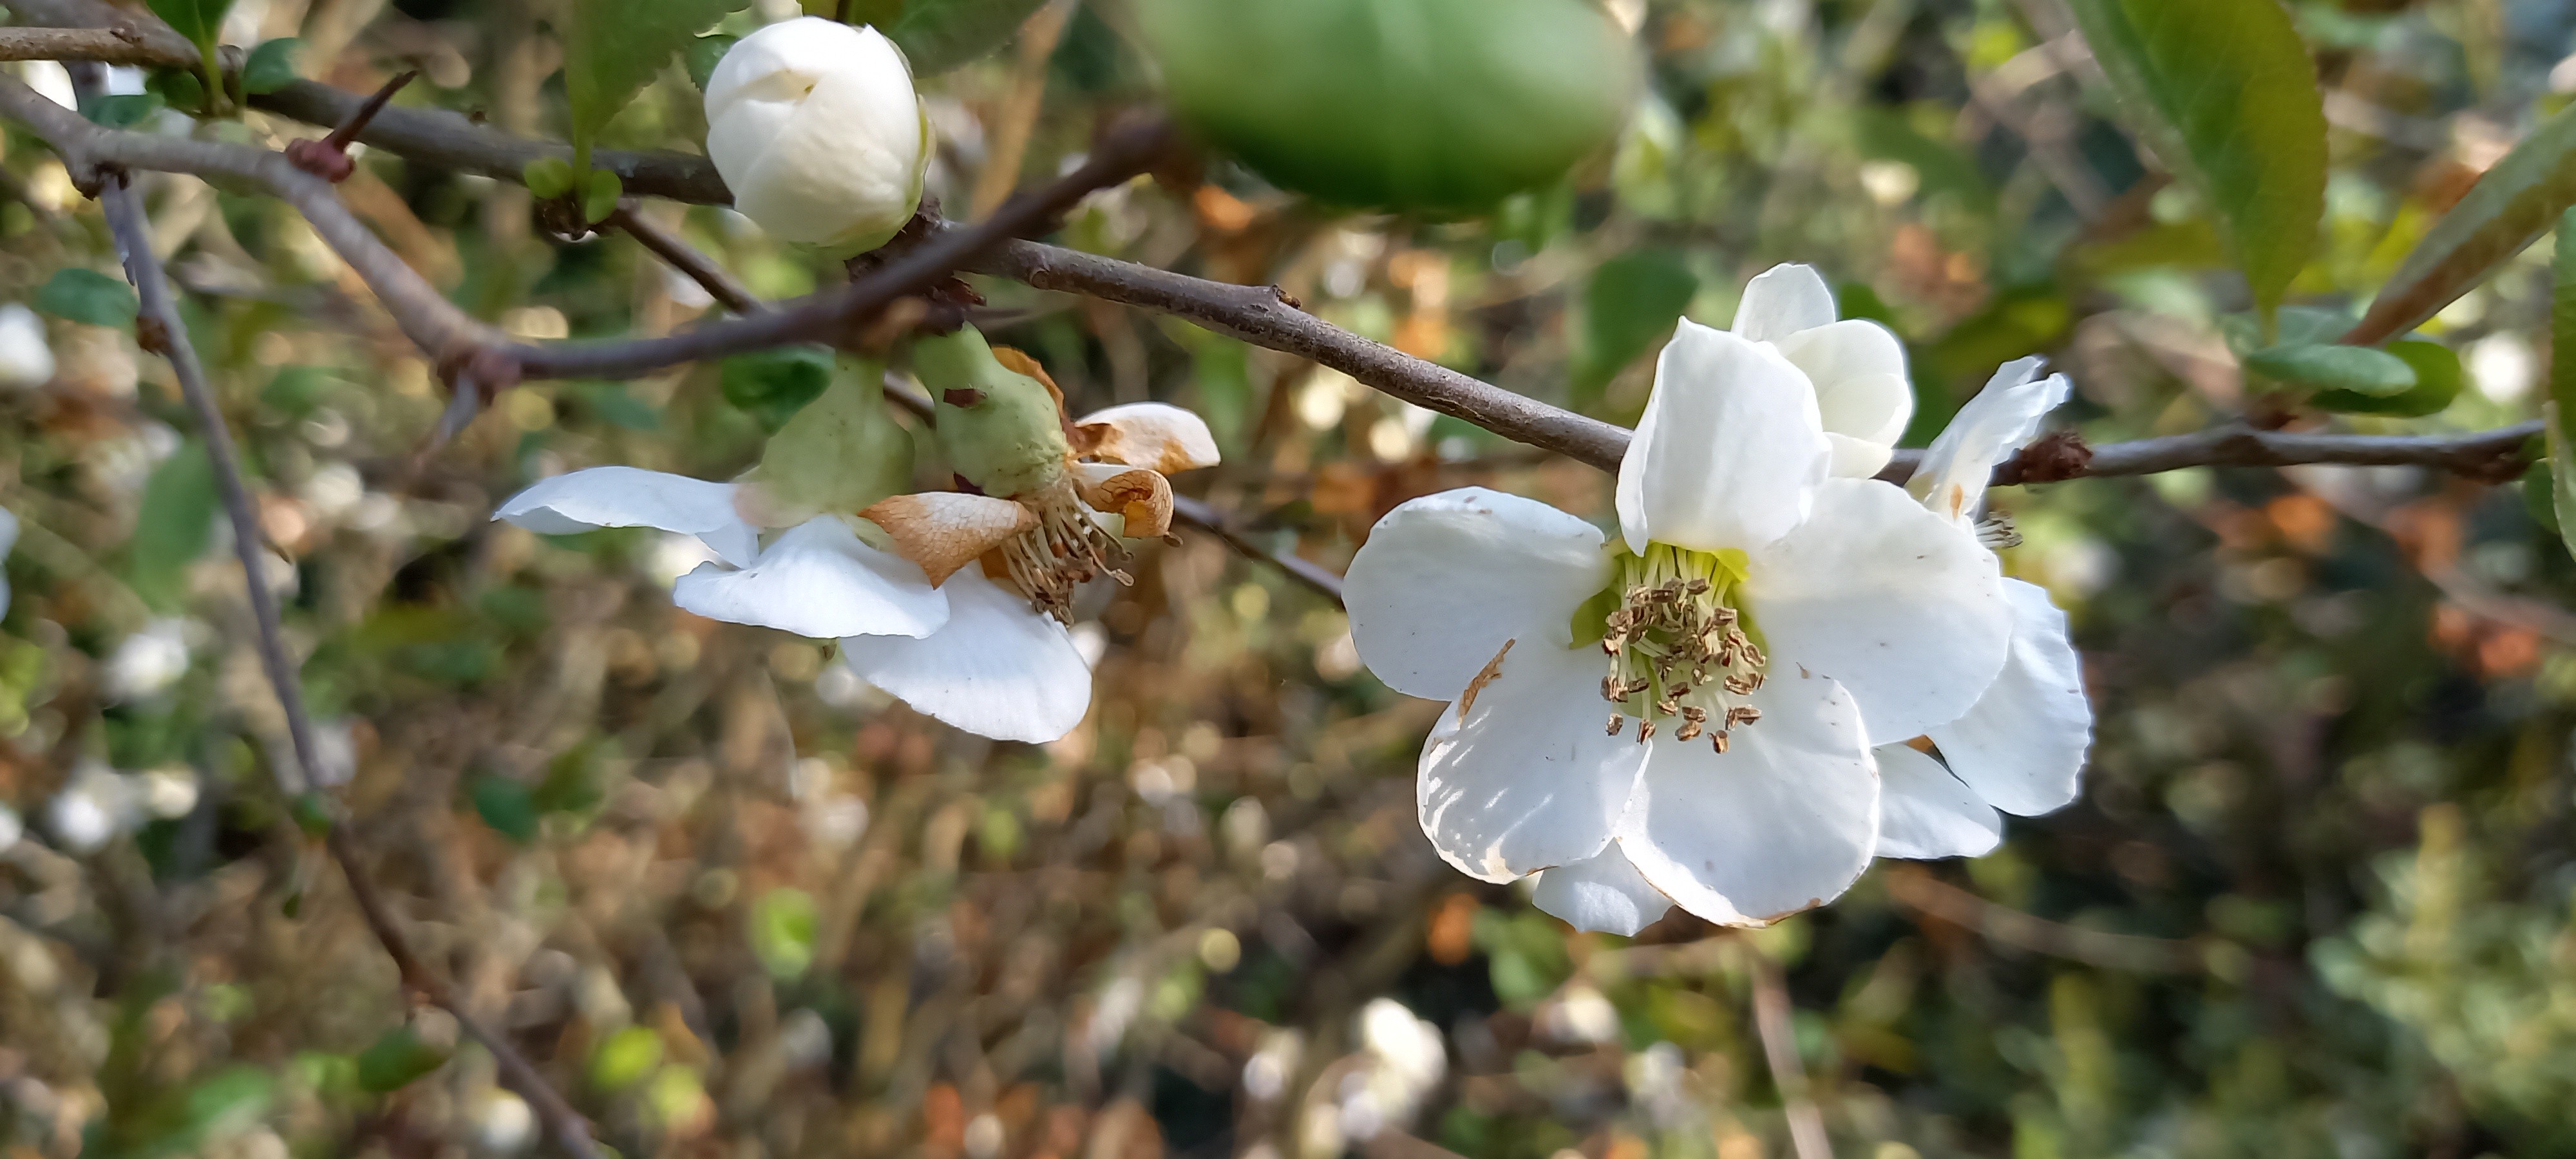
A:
(94, 805)
(2021, 749)
(26, 359)
(816, 128)
(1857, 366)
(1765, 621)
(911, 604)
(149, 661)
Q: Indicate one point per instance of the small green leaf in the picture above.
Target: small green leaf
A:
(396, 1059)
(626, 1058)
(179, 90)
(774, 384)
(1632, 300)
(198, 20)
(271, 66)
(782, 928)
(123, 110)
(938, 35)
(312, 814)
(2509, 208)
(2437, 382)
(613, 48)
(548, 177)
(2225, 92)
(704, 54)
(2358, 369)
(2539, 497)
(599, 196)
(506, 806)
(842, 452)
(173, 526)
(85, 295)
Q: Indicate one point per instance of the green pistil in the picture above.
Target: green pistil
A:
(1683, 652)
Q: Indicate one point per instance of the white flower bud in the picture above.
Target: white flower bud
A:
(25, 358)
(816, 128)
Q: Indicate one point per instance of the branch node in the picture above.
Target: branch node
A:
(2054, 457)
(328, 158)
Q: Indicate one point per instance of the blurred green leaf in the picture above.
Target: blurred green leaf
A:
(85, 295)
(177, 89)
(174, 525)
(2437, 381)
(783, 925)
(548, 177)
(505, 805)
(2517, 200)
(773, 385)
(198, 20)
(295, 390)
(2225, 93)
(123, 110)
(938, 35)
(271, 66)
(1632, 301)
(396, 1059)
(599, 196)
(2355, 369)
(625, 1059)
(704, 54)
(613, 48)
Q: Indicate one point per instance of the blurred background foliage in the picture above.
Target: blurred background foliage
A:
(2319, 898)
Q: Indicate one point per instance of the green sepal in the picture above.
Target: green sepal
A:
(839, 454)
(548, 177)
(1002, 431)
(599, 195)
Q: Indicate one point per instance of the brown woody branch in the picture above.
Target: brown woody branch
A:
(1255, 314)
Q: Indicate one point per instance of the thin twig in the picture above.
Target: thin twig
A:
(2487, 455)
(680, 255)
(1916, 888)
(1208, 517)
(1771, 1018)
(162, 330)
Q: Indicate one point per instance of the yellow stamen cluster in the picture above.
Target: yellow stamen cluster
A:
(1679, 647)
(1067, 549)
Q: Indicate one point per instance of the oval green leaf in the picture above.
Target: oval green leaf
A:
(2437, 382)
(2358, 369)
(2225, 92)
(2507, 210)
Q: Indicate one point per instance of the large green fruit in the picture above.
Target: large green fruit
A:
(1429, 106)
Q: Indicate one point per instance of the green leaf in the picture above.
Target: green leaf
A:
(271, 66)
(704, 54)
(2225, 92)
(774, 384)
(548, 177)
(2562, 379)
(178, 90)
(599, 196)
(2437, 382)
(123, 110)
(2509, 208)
(782, 927)
(198, 20)
(1633, 299)
(2358, 369)
(938, 35)
(174, 525)
(614, 47)
(506, 806)
(85, 295)
(625, 1058)
(396, 1059)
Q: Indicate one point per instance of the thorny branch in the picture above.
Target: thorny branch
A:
(160, 329)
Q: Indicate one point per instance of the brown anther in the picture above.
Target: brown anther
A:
(1699, 587)
(1616, 720)
(1667, 708)
(1645, 731)
(1690, 730)
(1742, 714)
(1694, 714)
(1717, 740)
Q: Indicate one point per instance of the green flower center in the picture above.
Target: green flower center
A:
(1681, 646)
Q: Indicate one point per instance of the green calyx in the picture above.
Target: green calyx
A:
(840, 454)
(1002, 430)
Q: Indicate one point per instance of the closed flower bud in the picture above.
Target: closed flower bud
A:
(816, 128)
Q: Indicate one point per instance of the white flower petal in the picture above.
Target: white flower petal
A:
(1730, 449)
(1605, 894)
(1858, 458)
(1782, 301)
(1886, 598)
(996, 669)
(1445, 579)
(1924, 812)
(1529, 780)
(1155, 435)
(2001, 420)
(1785, 821)
(818, 580)
(632, 497)
(2022, 746)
